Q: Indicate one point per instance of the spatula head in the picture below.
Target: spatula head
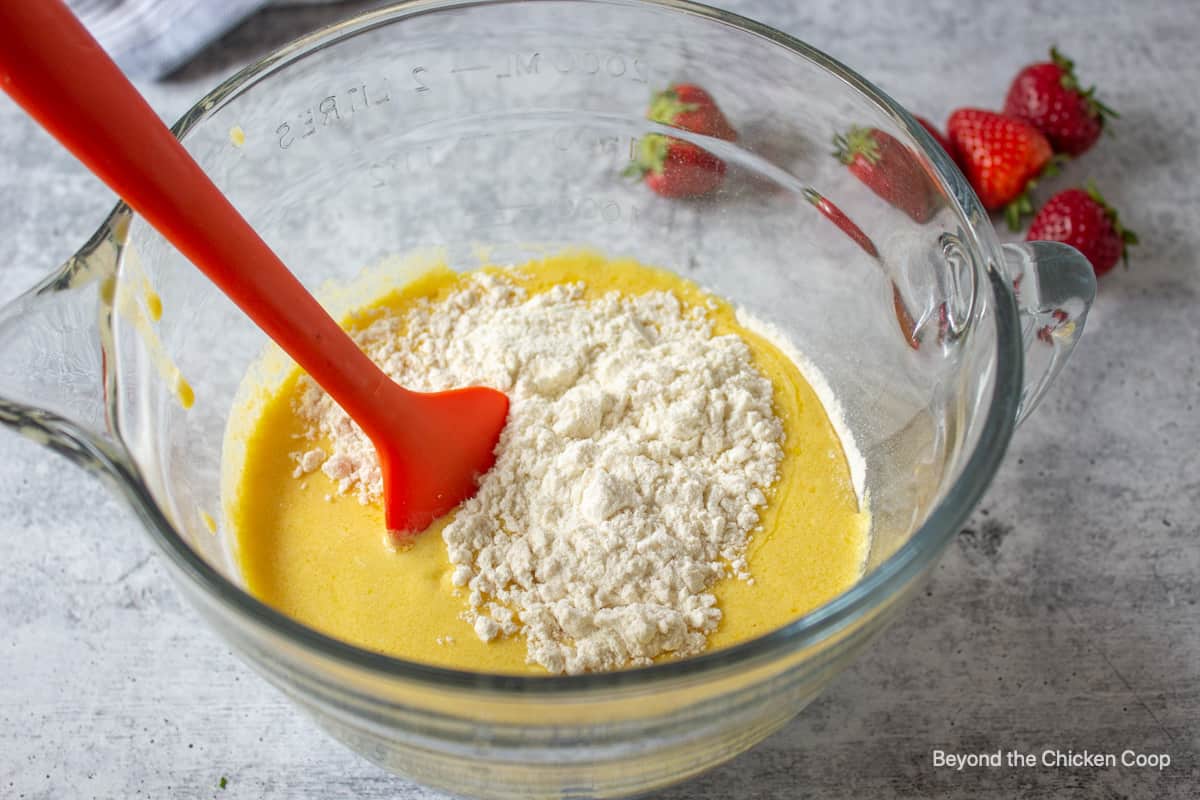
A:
(434, 450)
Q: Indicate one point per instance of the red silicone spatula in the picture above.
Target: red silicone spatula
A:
(432, 447)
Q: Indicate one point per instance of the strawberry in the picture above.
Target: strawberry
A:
(673, 167)
(690, 108)
(939, 137)
(1083, 220)
(889, 169)
(1002, 157)
(1048, 97)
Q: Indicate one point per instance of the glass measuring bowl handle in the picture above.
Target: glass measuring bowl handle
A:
(1054, 287)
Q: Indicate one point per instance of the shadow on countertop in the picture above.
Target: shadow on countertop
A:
(264, 31)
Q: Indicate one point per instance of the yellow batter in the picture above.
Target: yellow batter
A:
(324, 562)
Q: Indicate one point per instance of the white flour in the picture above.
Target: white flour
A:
(630, 473)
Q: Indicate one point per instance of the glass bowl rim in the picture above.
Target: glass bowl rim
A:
(871, 591)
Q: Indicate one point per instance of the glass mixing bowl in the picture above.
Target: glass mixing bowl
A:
(504, 127)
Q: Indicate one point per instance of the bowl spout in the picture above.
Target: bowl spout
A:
(53, 363)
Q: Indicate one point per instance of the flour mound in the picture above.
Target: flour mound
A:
(636, 456)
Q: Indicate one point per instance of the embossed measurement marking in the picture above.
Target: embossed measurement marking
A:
(328, 110)
(341, 108)
(565, 61)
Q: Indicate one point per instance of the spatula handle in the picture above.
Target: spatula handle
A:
(60, 75)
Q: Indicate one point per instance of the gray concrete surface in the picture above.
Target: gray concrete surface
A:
(1064, 617)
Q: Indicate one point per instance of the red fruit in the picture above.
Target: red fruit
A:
(673, 167)
(1083, 220)
(690, 108)
(889, 168)
(1048, 97)
(680, 169)
(939, 137)
(1002, 158)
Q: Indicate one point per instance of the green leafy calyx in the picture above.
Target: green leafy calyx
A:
(666, 107)
(651, 156)
(1070, 82)
(1022, 206)
(856, 142)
